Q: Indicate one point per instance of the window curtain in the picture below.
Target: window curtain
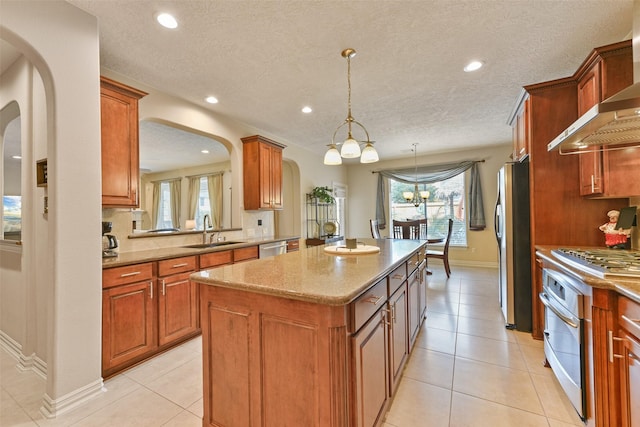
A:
(214, 185)
(174, 201)
(194, 193)
(156, 204)
(435, 173)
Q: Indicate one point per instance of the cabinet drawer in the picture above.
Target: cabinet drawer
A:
(416, 259)
(397, 278)
(629, 312)
(244, 254)
(367, 304)
(129, 274)
(293, 245)
(176, 265)
(214, 259)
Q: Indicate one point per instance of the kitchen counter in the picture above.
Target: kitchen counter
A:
(311, 274)
(629, 287)
(137, 257)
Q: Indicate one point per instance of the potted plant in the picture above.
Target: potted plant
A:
(323, 194)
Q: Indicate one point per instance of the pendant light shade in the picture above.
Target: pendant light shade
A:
(350, 148)
(416, 197)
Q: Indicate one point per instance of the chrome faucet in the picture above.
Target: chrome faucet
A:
(206, 221)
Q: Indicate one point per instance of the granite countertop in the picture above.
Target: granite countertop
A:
(137, 257)
(313, 275)
(626, 286)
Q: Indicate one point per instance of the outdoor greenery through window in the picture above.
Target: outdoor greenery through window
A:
(203, 207)
(446, 200)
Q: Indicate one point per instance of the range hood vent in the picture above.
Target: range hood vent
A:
(614, 121)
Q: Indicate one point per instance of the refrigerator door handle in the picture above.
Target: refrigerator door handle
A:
(496, 221)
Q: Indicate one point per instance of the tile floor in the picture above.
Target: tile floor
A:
(465, 370)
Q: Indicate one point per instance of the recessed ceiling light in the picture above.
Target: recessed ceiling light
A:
(167, 20)
(473, 66)
(307, 110)
(205, 151)
(211, 99)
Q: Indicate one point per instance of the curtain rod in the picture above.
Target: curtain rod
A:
(475, 161)
(205, 174)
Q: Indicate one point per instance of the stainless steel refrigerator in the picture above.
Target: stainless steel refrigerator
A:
(511, 222)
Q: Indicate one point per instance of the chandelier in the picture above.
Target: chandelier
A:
(416, 197)
(350, 147)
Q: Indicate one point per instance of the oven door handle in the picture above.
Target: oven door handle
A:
(569, 320)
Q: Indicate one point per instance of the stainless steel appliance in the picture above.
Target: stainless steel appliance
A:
(271, 249)
(602, 262)
(511, 223)
(564, 335)
(109, 241)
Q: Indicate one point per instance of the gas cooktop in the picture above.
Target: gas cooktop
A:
(602, 263)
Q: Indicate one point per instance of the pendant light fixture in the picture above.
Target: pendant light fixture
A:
(416, 197)
(350, 147)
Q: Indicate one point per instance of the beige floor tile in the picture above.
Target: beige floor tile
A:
(534, 358)
(11, 414)
(556, 423)
(511, 387)
(141, 408)
(468, 411)
(485, 328)
(430, 367)
(184, 419)
(482, 300)
(483, 312)
(496, 352)
(419, 404)
(447, 322)
(554, 400)
(182, 386)
(525, 338)
(437, 340)
(166, 362)
(197, 408)
(442, 306)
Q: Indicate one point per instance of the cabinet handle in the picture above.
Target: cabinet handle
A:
(151, 289)
(163, 287)
(593, 184)
(397, 276)
(135, 273)
(373, 299)
(384, 314)
(613, 355)
(184, 264)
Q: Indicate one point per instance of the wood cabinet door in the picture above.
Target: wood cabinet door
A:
(276, 178)
(399, 335)
(413, 303)
(265, 176)
(119, 134)
(370, 371)
(589, 94)
(630, 381)
(177, 308)
(128, 325)
(422, 290)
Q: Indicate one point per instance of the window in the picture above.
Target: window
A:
(203, 207)
(446, 200)
(164, 214)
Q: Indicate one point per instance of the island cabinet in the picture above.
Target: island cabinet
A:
(606, 172)
(262, 168)
(120, 149)
(276, 352)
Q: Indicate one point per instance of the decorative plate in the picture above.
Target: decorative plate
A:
(330, 228)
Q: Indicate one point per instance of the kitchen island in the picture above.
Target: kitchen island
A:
(308, 338)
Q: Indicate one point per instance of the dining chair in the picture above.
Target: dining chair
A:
(375, 228)
(443, 254)
(411, 229)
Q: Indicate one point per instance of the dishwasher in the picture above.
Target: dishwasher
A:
(272, 249)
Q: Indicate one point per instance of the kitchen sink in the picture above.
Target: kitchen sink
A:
(211, 245)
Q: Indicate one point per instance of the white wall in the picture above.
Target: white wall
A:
(65, 265)
(482, 248)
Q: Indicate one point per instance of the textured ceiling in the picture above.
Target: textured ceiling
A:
(265, 60)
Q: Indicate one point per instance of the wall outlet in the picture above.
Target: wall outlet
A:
(259, 222)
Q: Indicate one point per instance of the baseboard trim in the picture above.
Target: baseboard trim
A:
(51, 408)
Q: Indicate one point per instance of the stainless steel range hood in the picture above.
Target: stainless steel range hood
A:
(613, 122)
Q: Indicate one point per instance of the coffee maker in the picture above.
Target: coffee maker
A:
(109, 241)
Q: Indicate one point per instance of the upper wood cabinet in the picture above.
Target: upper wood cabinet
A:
(119, 132)
(605, 172)
(262, 165)
(519, 122)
